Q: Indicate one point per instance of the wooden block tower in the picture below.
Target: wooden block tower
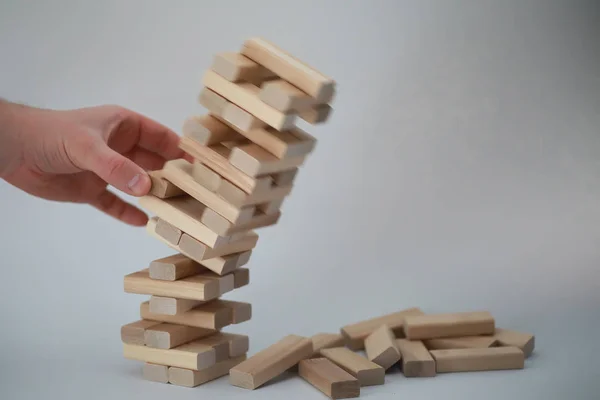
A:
(245, 154)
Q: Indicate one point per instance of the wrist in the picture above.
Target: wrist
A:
(11, 131)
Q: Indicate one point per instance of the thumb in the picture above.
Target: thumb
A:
(117, 170)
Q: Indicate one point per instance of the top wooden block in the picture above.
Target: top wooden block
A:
(433, 326)
(299, 74)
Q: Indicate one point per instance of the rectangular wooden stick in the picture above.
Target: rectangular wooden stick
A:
(416, 360)
(239, 198)
(381, 348)
(322, 341)
(433, 326)
(206, 176)
(155, 373)
(212, 101)
(161, 187)
(524, 341)
(169, 232)
(287, 144)
(465, 342)
(253, 160)
(285, 97)
(235, 67)
(168, 336)
(174, 267)
(223, 227)
(478, 359)
(208, 130)
(133, 333)
(367, 372)
(191, 378)
(330, 379)
(171, 305)
(285, 178)
(240, 119)
(317, 115)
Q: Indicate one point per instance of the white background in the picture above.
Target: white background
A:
(459, 171)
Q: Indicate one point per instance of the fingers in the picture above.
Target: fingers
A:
(157, 138)
(110, 204)
(146, 159)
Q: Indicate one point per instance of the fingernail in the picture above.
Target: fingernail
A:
(136, 184)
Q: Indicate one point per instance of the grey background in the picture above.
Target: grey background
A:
(460, 171)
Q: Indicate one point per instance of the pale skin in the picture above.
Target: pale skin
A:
(73, 155)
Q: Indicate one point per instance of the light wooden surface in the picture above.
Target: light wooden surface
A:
(193, 355)
(155, 373)
(288, 67)
(330, 379)
(464, 342)
(213, 315)
(167, 336)
(208, 130)
(356, 333)
(206, 176)
(235, 67)
(240, 119)
(433, 326)
(325, 341)
(213, 102)
(174, 267)
(270, 362)
(317, 115)
(171, 305)
(524, 341)
(367, 372)
(223, 227)
(253, 160)
(285, 97)
(169, 232)
(416, 360)
(241, 277)
(133, 333)
(190, 378)
(381, 348)
(161, 187)
(285, 144)
(285, 178)
(478, 359)
(239, 198)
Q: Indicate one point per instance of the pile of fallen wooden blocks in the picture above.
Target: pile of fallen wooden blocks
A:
(421, 345)
(244, 154)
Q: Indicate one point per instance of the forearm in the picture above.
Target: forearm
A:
(11, 132)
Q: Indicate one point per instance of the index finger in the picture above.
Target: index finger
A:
(157, 138)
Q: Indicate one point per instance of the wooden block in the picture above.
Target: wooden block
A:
(133, 333)
(235, 67)
(416, 360)
(465, 342)
(206, 176)
(168, 336)
(174, 267)
(270, 362)
(216, 158)
(223, 227)
(246, 98)
(208, 130)
(356, 333)
(254, 161)
(169, 232)
(228, 263)
(193, 355)
(179, 172)
(213, 102)
(299, 74)
(210, 316)
(161, 187)
(241, 277)
(191, 378)
(241, 312)
(272, 207)
(285, 97)
(205, 286)
(238, 344)
(171, 305)
(330, 379)
(367, 372)
(478, 359)
(240, 119)
(381, 348)
(239, 198)
(524, 341)
(286, 144)
(433, 326)
(285, 178)
(155, 373)
(325, 341)
(317, 115)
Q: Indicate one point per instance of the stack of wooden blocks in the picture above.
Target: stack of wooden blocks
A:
(245, 153)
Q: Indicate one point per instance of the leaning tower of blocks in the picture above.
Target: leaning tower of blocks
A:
(244, 154)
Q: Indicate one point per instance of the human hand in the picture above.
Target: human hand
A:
(74, 155)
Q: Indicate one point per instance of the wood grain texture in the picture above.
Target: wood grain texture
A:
(356, 333)
(478, 359)
(253, 160)
(133, 333)
(161, 187)
(322, 341)
(171, 305)
(524, 341)
(174, 267)
(270, 362)
(207, 316)
(285, 97)
(367, 372)
(208, 130)
(465, 342)
(381, 347)
(330, 379)
(434, 326)
(168, 336)
(155, 373)
(193, 355)
(190, 378)
(416, 360)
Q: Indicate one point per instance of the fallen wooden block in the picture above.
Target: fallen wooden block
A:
(171, 305)
(285, 97)
(155, 373)
(301, 75)
(433, 326)
(190, 378)
(356, 333)
(465, 342)
(174, 267)
(381, 348)
(524, 341)
(416, 360)
(212, 101)
(253, 160)
(133, 333)
(270, 362)
(317, 115)
(330, 379)
(205, 286)
(241, 277)
(478, 359)
(169, 232)
(367, 372)
(161, 187)
(239, 198)
(322, 341)
(168, 336)
(235, 67)
(245, 96)
(222, 226)
(208, 130)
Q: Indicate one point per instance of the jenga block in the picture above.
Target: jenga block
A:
(367, 372)
(330, 379)
(208, 130)
(433, 326)
(168, 336)
(285, 97)
(270, 362)
(285, 178)
(179, 172)
(254, 161)
(325, 341)
(416, 360)
(155, 373)
(239, 198)
(299, 74)
(174, 267)
(317, 115)
(212, 315)
(228, 345)
(465, 342)
(169, 232)
(205, 286)
(213, 102)
(241, 312)
(287, 144)
(524, 341)
(381, 348)
(235, 67)
(271, 207)
(356, 333)
(133, 333)
(206, 176)
(191, 378)
(240, 119)
(223, 227)
(171, 305)
(241, 277)
(216, 158)
(193, 355)
(245, 97)
(238, 344)
(161, 187)
(478, 359)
